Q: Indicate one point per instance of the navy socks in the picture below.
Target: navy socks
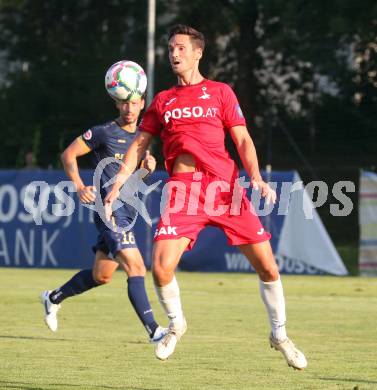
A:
(81, 282)
(138, 298)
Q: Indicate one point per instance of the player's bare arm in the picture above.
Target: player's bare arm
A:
(246, 149)
(130, 162)
(69, 159)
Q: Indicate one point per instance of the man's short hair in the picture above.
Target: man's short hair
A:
(196, 37)
(142, 97)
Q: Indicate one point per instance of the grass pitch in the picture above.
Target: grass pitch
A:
(101, 345)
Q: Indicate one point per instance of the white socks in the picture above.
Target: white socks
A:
(273, 298)
(171, 302)
(271, 293)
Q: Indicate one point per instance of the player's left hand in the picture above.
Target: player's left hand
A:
(265, 189)
(149, 162)
(108, 203)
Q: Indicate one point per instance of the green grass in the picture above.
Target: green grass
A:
(101, 345)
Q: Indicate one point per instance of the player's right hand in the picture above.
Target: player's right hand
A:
(108, 202)
(87, 194)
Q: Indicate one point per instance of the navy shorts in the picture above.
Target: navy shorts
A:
(111, 242)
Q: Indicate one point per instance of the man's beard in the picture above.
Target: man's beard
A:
(127, 121)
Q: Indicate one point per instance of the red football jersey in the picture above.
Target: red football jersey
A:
(194, 119)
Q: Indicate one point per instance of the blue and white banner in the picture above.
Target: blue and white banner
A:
(368, 224)
(301, 244)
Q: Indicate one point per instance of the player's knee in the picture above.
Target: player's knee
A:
(136, 269)
(161, 274)
(269, 273)
(157, 269)
(102, 278)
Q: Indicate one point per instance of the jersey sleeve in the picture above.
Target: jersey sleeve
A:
(151, 122)
(232, 113)
(93, 137)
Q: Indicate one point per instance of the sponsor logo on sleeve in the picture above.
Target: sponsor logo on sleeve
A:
(88, 135)
(239, 111)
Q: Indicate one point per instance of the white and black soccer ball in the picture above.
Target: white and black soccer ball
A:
(125, 80)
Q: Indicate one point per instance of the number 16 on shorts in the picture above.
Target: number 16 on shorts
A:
(128, 238)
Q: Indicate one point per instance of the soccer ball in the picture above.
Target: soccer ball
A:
(125, 80)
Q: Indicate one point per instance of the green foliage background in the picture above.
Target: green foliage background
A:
(320, 57)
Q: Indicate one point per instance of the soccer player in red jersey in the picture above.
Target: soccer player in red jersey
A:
(192, 119)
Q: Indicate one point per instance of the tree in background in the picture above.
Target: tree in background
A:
(56, 56)
(297, 68)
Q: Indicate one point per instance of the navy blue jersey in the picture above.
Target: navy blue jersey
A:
(108, 140)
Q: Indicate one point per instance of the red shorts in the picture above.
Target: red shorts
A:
(195, 200)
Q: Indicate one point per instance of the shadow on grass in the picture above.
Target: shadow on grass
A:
(134, 342)
(28, 386)
(353, 380)
(32, 338)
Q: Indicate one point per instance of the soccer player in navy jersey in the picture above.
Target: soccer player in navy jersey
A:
(114, 247)
(192, 119)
